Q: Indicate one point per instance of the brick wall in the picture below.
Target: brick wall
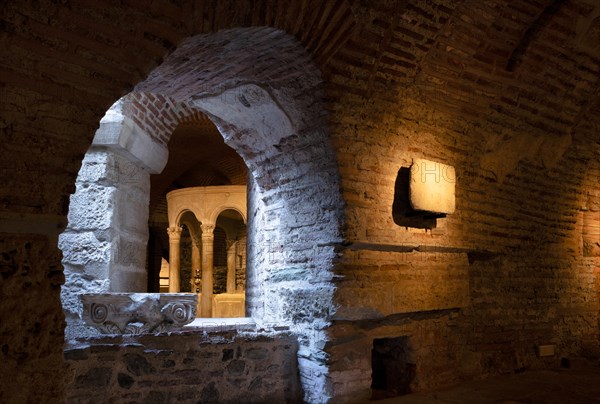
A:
(512, 251)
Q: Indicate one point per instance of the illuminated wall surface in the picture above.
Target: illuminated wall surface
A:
(423, 186)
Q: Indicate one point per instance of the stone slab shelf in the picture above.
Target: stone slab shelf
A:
(138, 313)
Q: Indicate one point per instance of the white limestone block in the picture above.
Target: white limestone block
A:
(131, 214)
(83, 248)
(249, 107)
(98, 166)
(91, 208)
(432, 186)
(125, 137)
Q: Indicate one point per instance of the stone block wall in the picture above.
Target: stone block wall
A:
(105, 240)
(277, 124)
(186, 367)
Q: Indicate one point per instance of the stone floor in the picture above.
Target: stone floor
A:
(579, 384)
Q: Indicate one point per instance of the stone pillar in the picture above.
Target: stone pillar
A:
(207, 269)
(104, 245)
(174, 240)
(231, 253)
(196, 264)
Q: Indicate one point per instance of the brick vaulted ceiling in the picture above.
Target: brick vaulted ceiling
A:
(531, 64)
(520, 62)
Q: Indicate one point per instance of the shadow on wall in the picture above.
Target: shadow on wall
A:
(402, 212)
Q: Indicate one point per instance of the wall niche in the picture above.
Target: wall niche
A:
(393, 367)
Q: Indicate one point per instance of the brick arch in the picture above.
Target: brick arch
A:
(158, 115)
(252, 82)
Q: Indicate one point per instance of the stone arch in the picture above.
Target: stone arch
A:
(218, 212)
(206, 203)
(187, 220)
(224, 208)
(263, 92)
(183, 218)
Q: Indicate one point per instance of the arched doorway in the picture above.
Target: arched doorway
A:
(263, 92)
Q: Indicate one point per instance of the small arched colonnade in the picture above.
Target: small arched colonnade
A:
(202, 210)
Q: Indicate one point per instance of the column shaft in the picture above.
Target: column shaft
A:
(231, 250)
(207, 269)
(174, 250)
(196, 264)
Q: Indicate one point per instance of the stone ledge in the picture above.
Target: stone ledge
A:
(213, 325)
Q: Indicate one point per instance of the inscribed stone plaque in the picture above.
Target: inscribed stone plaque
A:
(432, 186)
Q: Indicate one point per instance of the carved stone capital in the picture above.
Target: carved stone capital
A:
(138, 313)
(174, 232)
(207, 230)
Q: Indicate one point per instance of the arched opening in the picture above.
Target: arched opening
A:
(229, 265)
(230, 253)
(198, 157)
(263, 93)
(189, 254)
(215, 217)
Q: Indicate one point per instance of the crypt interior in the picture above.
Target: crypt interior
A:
(296, 201)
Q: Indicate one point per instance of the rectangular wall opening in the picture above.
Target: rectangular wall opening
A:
(393, 367)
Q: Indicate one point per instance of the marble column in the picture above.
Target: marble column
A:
(207, 269)
(174, 250)
(196, 264)
(231, 250)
